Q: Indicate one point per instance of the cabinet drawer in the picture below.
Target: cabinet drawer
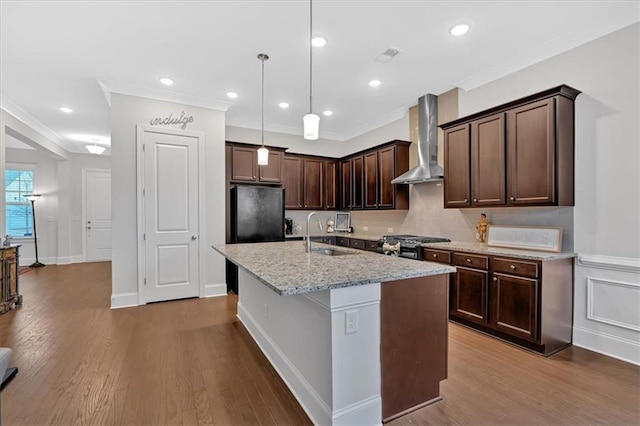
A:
(371, 245)
(342, 241)
(359, 244)
(470, 260)
(440, 256)
(515, 267)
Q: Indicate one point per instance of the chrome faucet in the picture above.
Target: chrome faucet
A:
(308, 241)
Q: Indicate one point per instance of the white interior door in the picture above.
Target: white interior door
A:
(170, 201)
(97, 215)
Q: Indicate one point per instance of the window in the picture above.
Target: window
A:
(18, 182)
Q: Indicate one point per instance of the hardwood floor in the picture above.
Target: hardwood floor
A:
(191, 362)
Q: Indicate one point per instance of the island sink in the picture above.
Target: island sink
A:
(331, 251)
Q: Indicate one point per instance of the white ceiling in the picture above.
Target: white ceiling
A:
(54, 53)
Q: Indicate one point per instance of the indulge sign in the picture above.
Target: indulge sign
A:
(182, 120)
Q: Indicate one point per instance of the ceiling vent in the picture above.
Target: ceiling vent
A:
(386, 56)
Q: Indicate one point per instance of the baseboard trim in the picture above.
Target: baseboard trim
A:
(606, 344)
(309, 400)
(124, 300)
(215, 290)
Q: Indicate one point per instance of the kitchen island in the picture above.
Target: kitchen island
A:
(359, 338)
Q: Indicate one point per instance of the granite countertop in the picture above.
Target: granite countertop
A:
(483, 248)
(287, 269)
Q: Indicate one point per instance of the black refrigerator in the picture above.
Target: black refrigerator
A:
(256, 215)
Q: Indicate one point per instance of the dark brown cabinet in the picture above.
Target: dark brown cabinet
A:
(313, 184)
(292, 182)
(366, 178)
(488, 161)
(309, 183)
(371, 180)
(526, 302)
(331, 185)
(531, 146)
(243, 160)
(469, 289)
(345, 184)
(516, 154)
(457, 186)
(514, 302)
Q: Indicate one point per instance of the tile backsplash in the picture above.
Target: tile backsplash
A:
(428, 217)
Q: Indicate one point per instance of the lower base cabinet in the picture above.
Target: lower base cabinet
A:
(526, 302)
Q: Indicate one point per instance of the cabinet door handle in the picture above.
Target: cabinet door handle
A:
(512, 198)
(495, 279)
(468, 260)
(435, 256)
(466, 200)
(475, 200)
(512, 267)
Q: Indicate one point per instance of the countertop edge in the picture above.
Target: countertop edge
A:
(481, 248)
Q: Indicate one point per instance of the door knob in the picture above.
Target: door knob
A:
(194, 237)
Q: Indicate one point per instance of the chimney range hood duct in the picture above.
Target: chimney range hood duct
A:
(427, 169)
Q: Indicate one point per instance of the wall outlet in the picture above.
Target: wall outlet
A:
(351, 322)
(365, 228)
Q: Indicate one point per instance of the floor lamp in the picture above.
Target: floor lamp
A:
(33, 198)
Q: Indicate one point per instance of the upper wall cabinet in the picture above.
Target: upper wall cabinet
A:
(366, 178)
(516, 154)
(244, 164)
(309, 182)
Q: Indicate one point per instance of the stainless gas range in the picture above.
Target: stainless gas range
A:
(406, 245)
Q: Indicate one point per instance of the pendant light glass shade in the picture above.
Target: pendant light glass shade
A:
(263, 152)
(311, 126)
(263, 156)
(311, 121)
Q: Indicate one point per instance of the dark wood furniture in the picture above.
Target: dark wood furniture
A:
(359, 181)
(526, 302)
(310, 183)
(517, 154)
(409, 308)
(243, 159)
(366, 176)
(9, 278)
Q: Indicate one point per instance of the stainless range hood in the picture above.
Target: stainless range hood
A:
(427, 169)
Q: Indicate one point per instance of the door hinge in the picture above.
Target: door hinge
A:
(144, 237)
(144, 192)
(143, 147)
(145, 280)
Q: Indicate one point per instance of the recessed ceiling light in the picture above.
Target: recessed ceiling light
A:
(166, 81)
(232, 95)
(66, 109)
(375, 83)
(283, 105)
(318, 41)
(459, 29)
(328, 113)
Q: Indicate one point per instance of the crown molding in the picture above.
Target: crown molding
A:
(23, 116)
(110, 86)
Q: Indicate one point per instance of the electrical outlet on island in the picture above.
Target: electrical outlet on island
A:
(351, 322)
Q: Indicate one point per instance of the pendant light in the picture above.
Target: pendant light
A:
(311, 121)
(263, 153)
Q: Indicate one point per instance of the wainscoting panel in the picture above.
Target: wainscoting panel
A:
(623, 313)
